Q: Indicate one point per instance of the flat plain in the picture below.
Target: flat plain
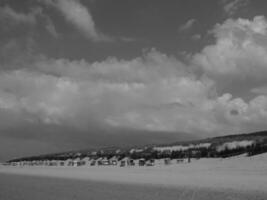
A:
(221, 179)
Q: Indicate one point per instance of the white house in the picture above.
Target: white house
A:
(113, 160)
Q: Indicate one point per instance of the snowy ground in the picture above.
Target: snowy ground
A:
(237, 173)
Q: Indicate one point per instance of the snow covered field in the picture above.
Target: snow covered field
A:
(238, 173)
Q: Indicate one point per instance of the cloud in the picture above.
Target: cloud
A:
(50, 27)
(7, 13)
(260, 90)
(238, 115)
(10, 16)
(154, 92)
(239, 54)
(230, 7)
(79, 15)
(188, 25)
(146, 93)
(196, 37)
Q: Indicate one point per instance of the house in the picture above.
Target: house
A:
(99, 161)
(159, 161)
(180, 160)
(60, 163)
(113, 160)
(122, 163)
(51, 163)
(126, 161)
(82, 162)
(45, 163)
(93, 162)
(66, 162)
(105, 161)
(41, 163)
(150, 162)
(76, 162)
(14, 163)
(132, 163)
(141, 162)
(70, 163)
(167, 161)
(86, 161)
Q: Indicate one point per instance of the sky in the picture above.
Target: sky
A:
(76, 74)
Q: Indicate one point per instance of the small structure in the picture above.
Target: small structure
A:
(150, 162)
(71, 163)
(46, 163)
(167, 161)
(82, 163)
(51, 163)
(113, 160)
(40, 163)
(122, 163)
(105, 161)
(125, 162)
(99, 161)
(13, 163)
(159, 161)
(142, 162)
(86, 161)
(77, 162)
(93, 162)
(60, 163)
(180, 160)
(66, 162)
(131, 162)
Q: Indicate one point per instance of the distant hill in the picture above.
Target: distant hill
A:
(223, 146)
(229, 138)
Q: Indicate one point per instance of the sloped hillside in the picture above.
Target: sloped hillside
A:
(224, 146)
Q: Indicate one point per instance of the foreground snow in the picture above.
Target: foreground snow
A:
(238, 173)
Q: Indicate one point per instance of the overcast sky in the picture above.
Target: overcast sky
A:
(76, 73)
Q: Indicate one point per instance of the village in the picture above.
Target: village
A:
(146, 156)
(152, 155)
(102, 161)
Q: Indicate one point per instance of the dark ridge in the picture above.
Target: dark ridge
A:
(260, 146)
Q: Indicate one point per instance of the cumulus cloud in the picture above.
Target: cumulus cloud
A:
(147, 93)
(239, 54)
(110, 89)
(188, 25)
(152, 92)
(230, 7)
(79, 15)
(238, 115)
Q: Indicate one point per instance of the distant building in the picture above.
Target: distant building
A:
(150, 162)
(113, 160)
(86, 161)
(105, 161)
(126, 161)
(167, 161)
(142, 162)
